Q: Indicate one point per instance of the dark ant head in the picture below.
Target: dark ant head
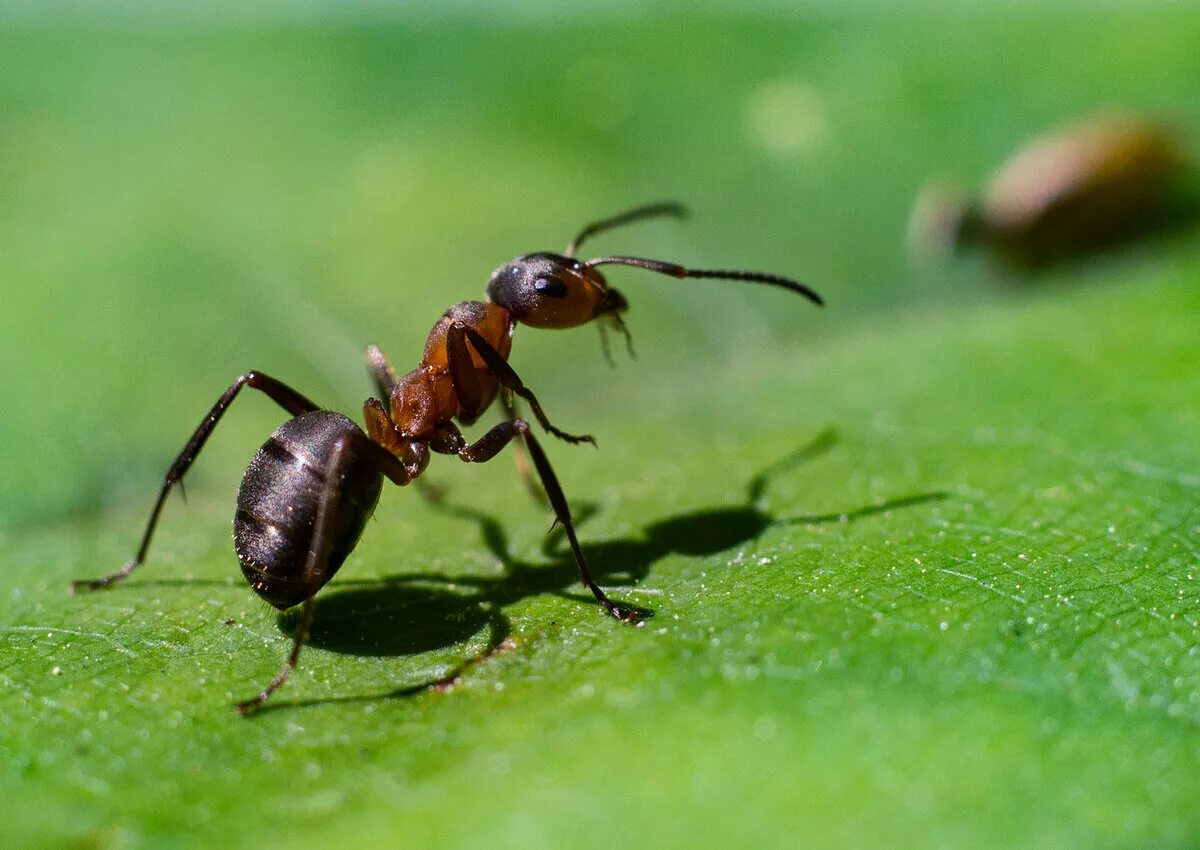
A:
(548, 290)
(552, 291)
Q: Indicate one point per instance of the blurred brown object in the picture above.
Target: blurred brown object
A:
(1062, 195)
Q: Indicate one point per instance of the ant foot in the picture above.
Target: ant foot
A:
(248, 707)
(572, 438)
(101, 583)
(629, 614)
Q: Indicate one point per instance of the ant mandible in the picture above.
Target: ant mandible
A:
(310, 489)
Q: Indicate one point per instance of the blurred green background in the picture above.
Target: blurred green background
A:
(965, 615)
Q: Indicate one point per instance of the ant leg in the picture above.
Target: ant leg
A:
(382, 371)
(559, 502)
(467, 388)
(298, 641)
(396, 470)
(520, 455)
(283, 395)
(322, 542)
(509, 379)
(388, 447)
(318, 554)
(377, 418)
(490, 444)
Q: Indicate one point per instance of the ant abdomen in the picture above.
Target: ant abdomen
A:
(280, 497)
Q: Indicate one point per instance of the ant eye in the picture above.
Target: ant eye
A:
(551, 286)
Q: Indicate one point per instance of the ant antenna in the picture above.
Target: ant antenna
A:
(678, 271)
(660, 208)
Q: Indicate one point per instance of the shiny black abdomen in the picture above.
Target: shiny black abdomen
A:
(279, 497)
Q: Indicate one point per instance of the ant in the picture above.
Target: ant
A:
(308, 492)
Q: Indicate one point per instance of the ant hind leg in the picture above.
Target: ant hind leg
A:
(279, 392)
(322, 543)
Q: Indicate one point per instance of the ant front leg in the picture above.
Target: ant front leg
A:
(489, 445)
(498, 366)
(280, 393)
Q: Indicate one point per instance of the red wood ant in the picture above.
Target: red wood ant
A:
(310, 489)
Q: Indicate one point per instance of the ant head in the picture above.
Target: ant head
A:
(552, 291)
(547, 290)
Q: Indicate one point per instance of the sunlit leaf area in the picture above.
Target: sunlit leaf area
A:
(923, 564)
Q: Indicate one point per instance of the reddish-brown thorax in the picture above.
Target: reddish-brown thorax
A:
(424, 399)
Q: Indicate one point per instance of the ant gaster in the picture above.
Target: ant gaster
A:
(310, 489)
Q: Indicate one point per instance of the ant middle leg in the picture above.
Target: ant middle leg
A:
(458, 336)
(489, 445)
(562, 512)
(283, 395)
(521, 455)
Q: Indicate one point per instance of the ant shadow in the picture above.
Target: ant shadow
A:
(412, 613)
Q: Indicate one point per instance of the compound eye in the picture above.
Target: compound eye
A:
(551, 287)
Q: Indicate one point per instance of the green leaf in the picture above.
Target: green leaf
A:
(923, 565)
